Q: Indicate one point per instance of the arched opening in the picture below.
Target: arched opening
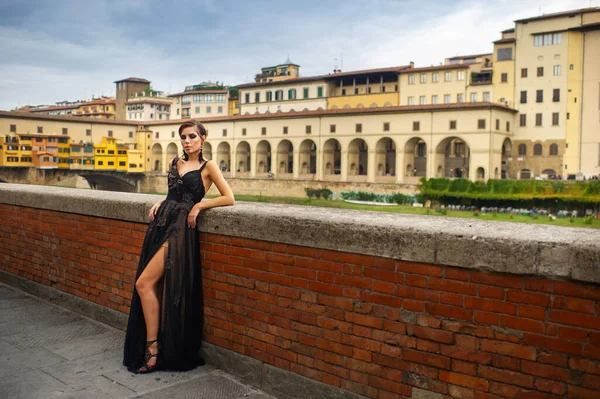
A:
(224, 157)
(332, 159)
(385, 159)
(171, 151)
(549, 174)
(263, 158)
(285, 158)
(308, 158)
(506, 159)
(157, 152)
(415, 156)
(480, 174)
(537, 149)
(454, 155)
(553, 149)
(207, 151)
(243, 158)
(358, 159)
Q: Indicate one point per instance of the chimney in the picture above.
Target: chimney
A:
(412, 64)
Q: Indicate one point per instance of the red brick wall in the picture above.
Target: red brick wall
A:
(371, 325)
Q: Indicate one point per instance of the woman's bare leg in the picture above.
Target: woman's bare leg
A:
(145, 286)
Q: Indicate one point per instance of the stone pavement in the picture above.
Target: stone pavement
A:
(50, 352)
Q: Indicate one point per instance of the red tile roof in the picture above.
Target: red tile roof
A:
(509, 40)
(148, 100)
(438, 68)
(69, 118)
(560, 14)
(460, 57)
(54, 108)
(208, 91)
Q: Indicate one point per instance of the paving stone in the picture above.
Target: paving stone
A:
(54, 333)
(108, 341)
(33, 384)
(25, 361)
(98, 387)
(71, 372)
(6, 348)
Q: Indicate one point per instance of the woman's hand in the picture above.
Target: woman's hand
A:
(153, 210)
(192, 216)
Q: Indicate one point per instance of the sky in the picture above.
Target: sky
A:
(58, 50)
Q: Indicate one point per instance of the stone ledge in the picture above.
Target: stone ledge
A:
(556, 252)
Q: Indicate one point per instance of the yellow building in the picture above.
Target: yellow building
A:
(82, 156)
(64, 152)
(105, 154)
(10, 151)
(102, 108)
(277, 73)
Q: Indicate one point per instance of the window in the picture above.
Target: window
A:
(65, 131)
(331, 128)
(110, 133)
(416, 126)
(480, 123)
(209, 98)
(386, 126)
(359, 128)
(320, 91)
(356, 90)
(88, 132)
(156, 135)
(497, 124)
(486, 96)
(224, 132)
(100, 162)
(291, 94)
(411, 101)
(130, 135)
(13, 128)
(538, 119)
(173, 134)
(452, 125)
(220, 109)
(197, 110)
(522, 149)
(523, 97)
(507, 126)
(504, 77)
(459, 150)
(269, 96)
(279, 95)
(186, 99)
(422, 100)
(285, 130)
(555, 119)
(411, 79)
(446, 98)
(208, 110)
(305, 92)
(539, 96)
(263, 131)
(423, 78)
(247, 97)
(308, 129)
(243, 131)
(40, 129)
(556, 70)
(547, 39)
(460, 98)
(505, 54)
(447, 76)
(197, 98)
(537, 149)
(435, 77)
(556, 95)
(434, 99)
(343, 92)
(257, 97)
(460, 75)
(523, 72)
(540, 71)
(473, 97)
(553, 149)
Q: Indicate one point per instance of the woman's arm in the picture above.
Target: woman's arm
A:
(226, 198)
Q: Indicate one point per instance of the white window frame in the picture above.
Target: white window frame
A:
(423, 78)
(411, 100)
(411, 79)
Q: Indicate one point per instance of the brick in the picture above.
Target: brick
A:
(506, 376)
(412, 305)
(508, 349)
(462, 380)
(513, 337)
(428, 346)
(592, 351)
(385, 263)
(556, 359)
(325, 288)
(451, 299)
(464, 367)
(426, 358)
(469, 329)
(460, 392)
(380, 299)
(531, 298)
(491, 305)
(491, 292)
(554, 387)
(466, 341)
(351, 281)
(416, 280)
(586, 365)
(508, 391)
(363, 343)
(390, 386)
(552, 372)
(505, 362)
(363, 367)
(364, 320)
(454, 273)
(572, 334)
(501, 280)
(518, 323)
(465, 354)
(532, 312)
(492, 319)
(419, 268)
(557, 345)
(539, 285)
(385, 275)
(360, 389)
(385, 288)
(457, 287)
(580, 305)
(427, 383)
(577, 290)
(582, 393)
(592, 382)
(449, 311)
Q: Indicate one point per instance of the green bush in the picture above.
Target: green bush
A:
(324, 193)
(588, 220)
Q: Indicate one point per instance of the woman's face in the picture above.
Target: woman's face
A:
(191, 141)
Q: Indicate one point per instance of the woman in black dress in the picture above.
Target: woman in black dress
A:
(165, 321)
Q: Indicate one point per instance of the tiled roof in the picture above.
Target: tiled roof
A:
(148, 100)
(367, 71)
(69, 118)
(438, 68)
(508, 30)
(199, 92)
(98, 102)
(344, 111)
(560, 14)
(135, 80)
(587, 27)
(460, 57)
(54, 108)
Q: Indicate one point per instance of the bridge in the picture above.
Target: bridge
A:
(76, 178)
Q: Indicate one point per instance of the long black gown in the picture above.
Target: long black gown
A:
(180, 290)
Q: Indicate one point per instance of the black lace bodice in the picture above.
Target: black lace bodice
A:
(188, 188)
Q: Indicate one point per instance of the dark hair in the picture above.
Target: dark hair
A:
(199, 128)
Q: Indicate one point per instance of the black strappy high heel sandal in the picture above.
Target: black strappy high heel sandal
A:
(145, 369)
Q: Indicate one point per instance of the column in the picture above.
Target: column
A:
(371, 165)
(319, 174)
(400, 165)
(164, 162)
(253, 164)
(344, 165)
(274, 162)
(296, 157)
(233, 161)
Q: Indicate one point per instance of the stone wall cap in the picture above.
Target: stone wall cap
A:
(507, 247)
